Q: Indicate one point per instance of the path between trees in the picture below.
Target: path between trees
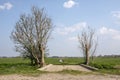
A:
(55, 68)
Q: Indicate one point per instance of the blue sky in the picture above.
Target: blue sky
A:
(69, 17)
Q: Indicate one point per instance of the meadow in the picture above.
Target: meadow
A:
(22, 66)
(109, 65)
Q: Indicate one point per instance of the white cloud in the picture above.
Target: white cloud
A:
(103, 30)
(6, 6)
(116, 14)
(115, 34)
(73, 38)
(71, 29)
(117, 37)
(69, 4)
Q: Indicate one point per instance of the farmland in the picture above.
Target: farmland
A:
(22, 66)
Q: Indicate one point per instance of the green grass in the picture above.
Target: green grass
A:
(107, 65)
(22, 66)
(66, 61)
(17, 66)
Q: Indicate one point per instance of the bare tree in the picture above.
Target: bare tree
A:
(32, 33)
(87, 43)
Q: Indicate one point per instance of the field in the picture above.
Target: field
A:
(107, 65)
(22, 66)
(15, 65)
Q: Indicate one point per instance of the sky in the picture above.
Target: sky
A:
(70, 17)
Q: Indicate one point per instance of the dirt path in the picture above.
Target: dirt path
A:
(60, 76)
(55, 68)
(53, 76)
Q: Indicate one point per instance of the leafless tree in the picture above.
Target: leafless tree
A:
(32, 33)
(88, 43)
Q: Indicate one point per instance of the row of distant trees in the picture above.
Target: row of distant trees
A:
(32, 32)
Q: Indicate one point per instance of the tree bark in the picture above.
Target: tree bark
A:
(87, 58)
(42, 58)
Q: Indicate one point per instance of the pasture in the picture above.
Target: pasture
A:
(22, 66)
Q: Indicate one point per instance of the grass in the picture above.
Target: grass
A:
(22, 66)
(107, 65)
(66, 61)
(17, 66)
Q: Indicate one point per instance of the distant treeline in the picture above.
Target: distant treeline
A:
(108, 56)
(82, 57)
(65, 56)
(10, 57)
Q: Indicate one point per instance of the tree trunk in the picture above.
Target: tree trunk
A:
(87, 58)
(38, 62)
(32, 60)
(42, 58)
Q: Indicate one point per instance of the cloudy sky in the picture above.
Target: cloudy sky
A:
(69, 17)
